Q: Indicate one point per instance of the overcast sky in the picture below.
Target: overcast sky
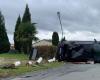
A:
(80, 18)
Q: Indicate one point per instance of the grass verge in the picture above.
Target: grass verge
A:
(19, 56)
(23, 68)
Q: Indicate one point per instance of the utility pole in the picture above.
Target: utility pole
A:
(58, 14)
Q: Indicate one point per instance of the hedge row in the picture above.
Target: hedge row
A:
(46, 52)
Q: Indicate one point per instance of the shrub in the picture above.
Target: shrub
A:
(46, 52)
(4, 47)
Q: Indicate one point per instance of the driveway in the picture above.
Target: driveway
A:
(65, 72)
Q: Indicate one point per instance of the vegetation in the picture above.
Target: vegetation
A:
(46, 51)
(27, 15)
(25, 32)
(55, 38)
(23, 68)
(16, 43)
(4, 42)
(17, 56)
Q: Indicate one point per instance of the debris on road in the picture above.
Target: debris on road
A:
(90, 62)
(8, 66)
(29, 63)
(39, 60)
(17, 63)
(52, 60)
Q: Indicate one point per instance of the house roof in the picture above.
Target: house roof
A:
(42, 42)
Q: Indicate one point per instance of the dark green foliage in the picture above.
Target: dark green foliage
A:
(4, 42)
(18, 23)
(27, 15)
(25, 34)
(55, 39)
(16, 43)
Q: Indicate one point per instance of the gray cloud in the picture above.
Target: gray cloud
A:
(76, 15)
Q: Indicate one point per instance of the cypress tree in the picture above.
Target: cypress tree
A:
(27, 15)
(18, 22)
(25, 34)
(4, 42)
(55, 39)
(16, 43)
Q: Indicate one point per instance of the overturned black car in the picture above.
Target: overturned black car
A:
(78, 51)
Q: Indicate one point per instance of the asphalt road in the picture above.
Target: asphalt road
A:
(65, 72)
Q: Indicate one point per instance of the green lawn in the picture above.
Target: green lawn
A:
(23, 68)
(19, 56)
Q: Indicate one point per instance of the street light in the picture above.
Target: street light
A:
(58, 14)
